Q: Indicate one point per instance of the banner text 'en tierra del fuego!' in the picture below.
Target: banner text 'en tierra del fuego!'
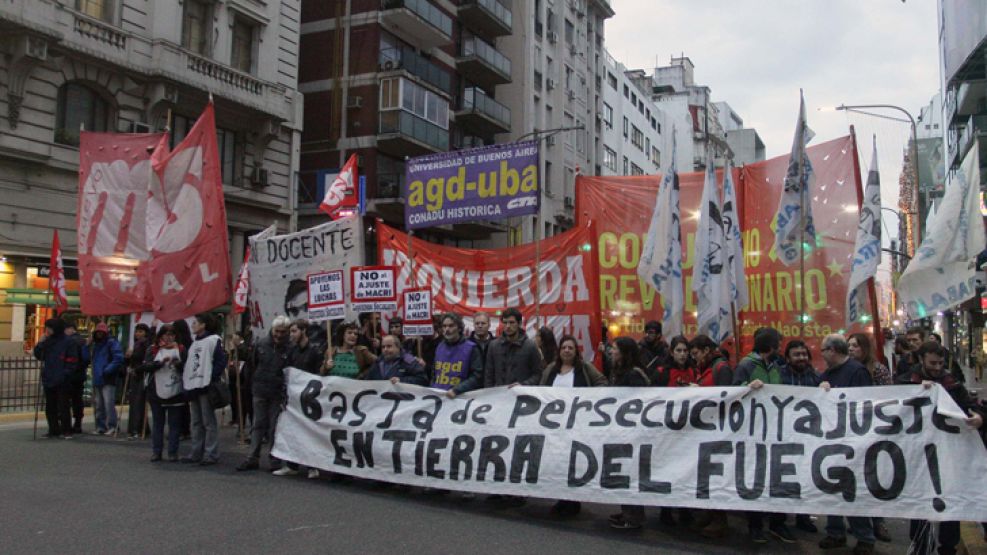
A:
(487, 183)
(622, 206)
(467, 281)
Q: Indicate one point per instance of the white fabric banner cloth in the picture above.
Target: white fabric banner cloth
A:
(878, 451)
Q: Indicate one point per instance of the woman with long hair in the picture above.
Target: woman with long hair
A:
(862, 349)
(547, 346)
(626, 373)
(680, 369)
(164, 365)
(346, 358)
(712, 365)
(570, 370)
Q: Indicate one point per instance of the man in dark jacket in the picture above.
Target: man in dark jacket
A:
(797, 369)
(269, 360)
(652, 348)
(932, 370)
(77, 380)
(396, 365)
(60, 355)
(302, 352)
(512, 358)
(481, 332)
(135, 360)
(107, 360)
(843, 371)
(457, 366)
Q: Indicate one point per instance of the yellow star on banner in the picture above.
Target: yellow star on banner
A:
(835, 268)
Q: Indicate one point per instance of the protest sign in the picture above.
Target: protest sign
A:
(280, 265)
(486, 183)
(373, 289)
(879, 451)
(467, 281)
(418, 312)
(326, 300)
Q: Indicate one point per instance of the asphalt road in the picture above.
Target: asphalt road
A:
(101, 494)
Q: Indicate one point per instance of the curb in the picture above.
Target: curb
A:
(972, 539)
(17, 417)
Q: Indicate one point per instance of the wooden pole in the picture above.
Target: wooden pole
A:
(239, 394)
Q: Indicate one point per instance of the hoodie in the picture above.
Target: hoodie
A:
(59, 354)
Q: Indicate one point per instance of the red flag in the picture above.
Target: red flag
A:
(242, 286)
(189, 270)
(340, 198)
(114, 179)
(56, 277)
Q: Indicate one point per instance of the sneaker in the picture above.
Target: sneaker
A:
(285, 471)
(831, 542)
(781, 532)
(863, 548)
(624, 525)
(313, 473)
(249, 464)
(132, 437)
(881, 532)
(757, 535)
(805, 524)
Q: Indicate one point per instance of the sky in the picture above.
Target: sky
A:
(755, 55)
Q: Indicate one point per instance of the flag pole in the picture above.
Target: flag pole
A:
(804, 296)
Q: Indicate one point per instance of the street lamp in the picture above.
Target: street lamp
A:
(911, 215)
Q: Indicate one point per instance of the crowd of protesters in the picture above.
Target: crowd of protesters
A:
(158, 371)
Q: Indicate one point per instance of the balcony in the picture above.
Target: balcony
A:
(482, 114)
(482, 64)
(489, 17)
(385, 200)
(407, 60)
(417, 22)
(404, 134)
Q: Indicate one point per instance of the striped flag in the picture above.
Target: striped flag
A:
(795, 207)
(661, 255)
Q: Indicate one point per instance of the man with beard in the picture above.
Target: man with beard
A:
(458, 365)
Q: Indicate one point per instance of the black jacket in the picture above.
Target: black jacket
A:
(584, 376)
(60, 355)
(849, 374)
(508, 362)
(266, 365)
(406, 368)
(308, 358)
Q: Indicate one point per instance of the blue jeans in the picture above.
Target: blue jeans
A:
(860, 527)
(104, 407)
(205, 429)
(159, 414)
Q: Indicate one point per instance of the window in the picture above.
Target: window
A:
(609, 158)
(242, 55)
(655, 155)
(100, 9)
(634, 99)
(227, 142)
(608, 115)
(647, 148)
(397, 93)
(570, 32)
(626, 127)
(548, 178)
(612, 80)
(627, 92)
(195, 26)
(654, 124)
(79, 106)
(627, 167)
(568, 78)
(636, 170)
(637, 137)
(580, 137)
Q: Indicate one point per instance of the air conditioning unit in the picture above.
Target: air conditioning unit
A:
(569, 202)
(549, 84)
(138, 127)
(355, 101)
(259, 177)
(388, 65)
(571, 94)
(572, 49)
(553, 37)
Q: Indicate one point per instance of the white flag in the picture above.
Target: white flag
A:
(733, 243)
(661, 255)
(710, 278)
(867, 250)
(795, 198)
(942, 273)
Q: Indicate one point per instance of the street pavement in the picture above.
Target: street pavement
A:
(101, 494)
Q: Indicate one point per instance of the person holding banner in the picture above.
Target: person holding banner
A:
(862, 350)
(679, 370)
(654, 350)
(458, 366)
(396, 365)
(755, 370)
(797, 368)
(843, 371)
(306, 356)
(570, 370)
(164, 364)
(481, 332)
(205, 365)
(348, 359)
(932, 370)
(267, 364)
(625, 372)
(512, 358)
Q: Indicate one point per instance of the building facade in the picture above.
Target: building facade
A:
(631, 124)
(136, 66)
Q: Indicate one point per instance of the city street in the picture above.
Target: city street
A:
(100, 494)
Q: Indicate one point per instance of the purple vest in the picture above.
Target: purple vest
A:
(452, 364)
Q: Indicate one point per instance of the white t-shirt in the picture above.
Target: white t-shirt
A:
(564, 380)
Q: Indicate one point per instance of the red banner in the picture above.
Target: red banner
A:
(622, 206)
(190, 264)
(56, 276)
(114, 172)
(467, 281)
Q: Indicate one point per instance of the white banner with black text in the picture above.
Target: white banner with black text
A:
(895, 451)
